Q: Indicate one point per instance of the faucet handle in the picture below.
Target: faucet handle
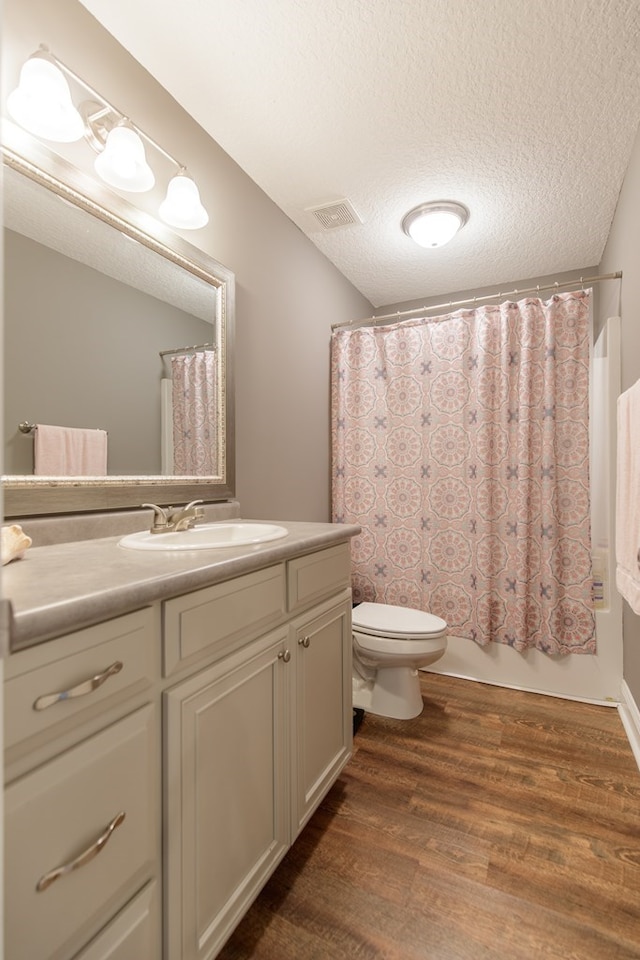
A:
(197, 510)
(160, 517)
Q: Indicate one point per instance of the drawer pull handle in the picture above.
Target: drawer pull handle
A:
(284, 655)
(304, 641)
(82, 689)
(84, 858)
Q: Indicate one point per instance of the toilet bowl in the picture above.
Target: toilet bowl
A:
(390, 644)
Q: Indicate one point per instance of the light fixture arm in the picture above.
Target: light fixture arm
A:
(105, 107)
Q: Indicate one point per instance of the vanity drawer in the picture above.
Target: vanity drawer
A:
(318, 575)
(88, 669)
(217, 620)
(134, 933)
(56, 814)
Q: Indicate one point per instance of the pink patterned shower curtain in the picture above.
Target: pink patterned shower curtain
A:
(194, 414)
(461, 446)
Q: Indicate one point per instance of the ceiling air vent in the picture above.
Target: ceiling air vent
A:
(340, 213)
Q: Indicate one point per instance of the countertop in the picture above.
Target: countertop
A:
(63, 587)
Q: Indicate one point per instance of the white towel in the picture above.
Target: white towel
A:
(628, 497)
(69, 452)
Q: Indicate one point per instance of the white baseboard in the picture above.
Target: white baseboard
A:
(630, 716)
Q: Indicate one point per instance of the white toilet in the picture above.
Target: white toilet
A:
(389, 645)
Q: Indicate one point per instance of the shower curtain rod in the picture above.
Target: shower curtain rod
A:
(198, 346)
(373, 321)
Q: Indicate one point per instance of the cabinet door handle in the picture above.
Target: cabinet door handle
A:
(304, 641)
(81, 690)
(284, 655)
(91, 852)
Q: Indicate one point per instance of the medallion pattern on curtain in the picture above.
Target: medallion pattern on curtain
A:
(460, 445)
(194, 414)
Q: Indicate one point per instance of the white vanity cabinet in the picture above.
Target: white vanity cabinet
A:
(253, 741)
(82, 853)
(159, 765)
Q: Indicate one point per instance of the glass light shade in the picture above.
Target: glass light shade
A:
(434, 224)
(181, 207)
(41, 103)
(122, 163)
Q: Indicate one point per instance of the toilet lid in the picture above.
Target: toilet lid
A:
(387, 620)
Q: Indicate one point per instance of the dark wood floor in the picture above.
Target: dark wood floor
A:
(498, 825)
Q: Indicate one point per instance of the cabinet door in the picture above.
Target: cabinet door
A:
(322, 732)
(227, 823)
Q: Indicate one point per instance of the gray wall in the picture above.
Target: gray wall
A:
(288, 294)
(621, 253)
(82, 350)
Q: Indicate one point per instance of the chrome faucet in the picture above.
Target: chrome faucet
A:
(173, 519)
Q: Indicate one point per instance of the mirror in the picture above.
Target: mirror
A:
(105, 297)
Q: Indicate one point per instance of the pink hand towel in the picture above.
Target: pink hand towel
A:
(69, 452)
(628, 497)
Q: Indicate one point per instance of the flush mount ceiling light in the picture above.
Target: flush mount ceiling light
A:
(42, 104)
(434, 224)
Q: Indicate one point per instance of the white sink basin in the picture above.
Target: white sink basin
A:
(208, 536)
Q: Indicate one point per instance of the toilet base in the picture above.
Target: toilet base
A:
(395, 692)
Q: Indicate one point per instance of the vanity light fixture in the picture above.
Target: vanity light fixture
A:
(42, 104)
(434, 224)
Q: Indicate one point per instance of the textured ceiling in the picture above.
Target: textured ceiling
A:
(524, 111)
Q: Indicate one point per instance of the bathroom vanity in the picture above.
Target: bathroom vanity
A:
(172, 722)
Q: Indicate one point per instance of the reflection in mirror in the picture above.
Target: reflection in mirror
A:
(84, 348)
(97, 314)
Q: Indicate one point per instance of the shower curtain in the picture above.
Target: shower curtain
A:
(460, 444)
(194, 414)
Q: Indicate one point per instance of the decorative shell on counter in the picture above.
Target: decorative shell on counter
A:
(14, 543)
